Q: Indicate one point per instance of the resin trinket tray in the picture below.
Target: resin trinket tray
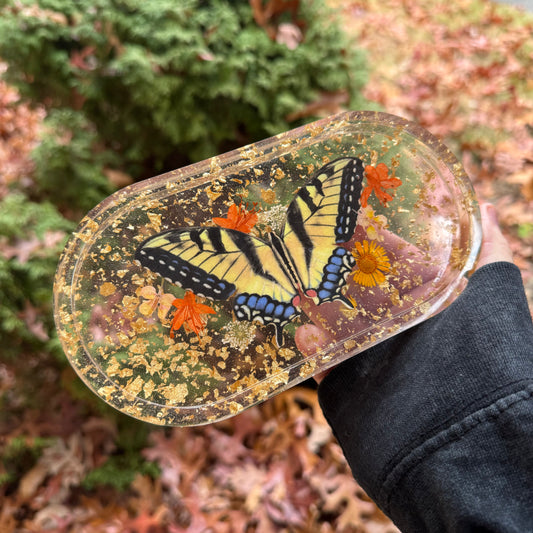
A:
(188, 297)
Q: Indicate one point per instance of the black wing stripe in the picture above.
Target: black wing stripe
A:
(303, 194)
(296, 222)
(350, 191)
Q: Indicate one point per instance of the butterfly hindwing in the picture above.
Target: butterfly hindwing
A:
(322, 216)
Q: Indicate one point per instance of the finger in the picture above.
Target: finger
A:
(309, 340)
(494, 246)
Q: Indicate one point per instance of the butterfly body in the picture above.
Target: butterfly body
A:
(267, 278)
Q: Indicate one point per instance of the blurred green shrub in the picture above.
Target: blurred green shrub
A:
(145, 87)
(31, 237)
(133, 88)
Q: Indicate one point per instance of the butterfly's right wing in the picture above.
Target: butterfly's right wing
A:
(219, 263)
(322, 217)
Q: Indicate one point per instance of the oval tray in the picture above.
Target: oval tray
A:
(361, 225)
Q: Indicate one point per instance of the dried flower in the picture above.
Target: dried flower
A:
(189, 312)
(372, 223)
(378, 179)
(239, 334)
(274, 217)
(372, 263)
(154, 299)
(239, 218)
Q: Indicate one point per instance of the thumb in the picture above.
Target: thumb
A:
(310, 339)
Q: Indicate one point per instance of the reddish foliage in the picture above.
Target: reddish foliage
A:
(19, 128)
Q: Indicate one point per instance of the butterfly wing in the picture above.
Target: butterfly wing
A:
(219, 263)
(322, 216)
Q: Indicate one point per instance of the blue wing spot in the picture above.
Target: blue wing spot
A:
(279, 311)
(334, 276)
(324, 295)
(266, 310)
(290, 311)
(332, 268)
(261, 303)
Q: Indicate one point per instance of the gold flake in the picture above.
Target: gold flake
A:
(307, 368)
(286, 353)
(107, 289)
(107, 391)
(235, 408)
(212, 195)
(268, 196)
(135, 386)
(155, 221)
(176, 393)
(148, 388)
(350, 344)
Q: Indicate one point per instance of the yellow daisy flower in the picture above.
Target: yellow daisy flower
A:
(371, 262)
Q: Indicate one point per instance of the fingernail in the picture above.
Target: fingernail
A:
(491, 213)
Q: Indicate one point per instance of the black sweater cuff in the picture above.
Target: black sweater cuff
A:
(393, 398)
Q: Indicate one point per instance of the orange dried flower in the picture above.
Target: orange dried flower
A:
(378, 179)
(239, 218)
(372, 263)
(189, 312)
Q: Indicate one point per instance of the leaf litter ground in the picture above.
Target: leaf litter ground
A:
(460, 69)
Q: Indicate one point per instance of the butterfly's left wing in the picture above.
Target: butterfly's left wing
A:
(323, 216)
(221, 263)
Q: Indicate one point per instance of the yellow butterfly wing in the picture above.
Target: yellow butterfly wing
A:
(323, 216)
(219, 263)
(264, 278)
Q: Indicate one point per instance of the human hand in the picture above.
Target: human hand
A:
(310, 338)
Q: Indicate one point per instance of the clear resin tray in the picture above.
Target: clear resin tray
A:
(188, 297)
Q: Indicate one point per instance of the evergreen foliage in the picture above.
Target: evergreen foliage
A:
(32, 236)
(119, 471)
(145, 87)
(18, 455)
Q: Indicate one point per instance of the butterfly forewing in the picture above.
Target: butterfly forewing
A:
(218, 263)
(322, 216)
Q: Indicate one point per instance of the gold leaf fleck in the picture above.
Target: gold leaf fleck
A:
(107, 289)
(268, 196)
(155, 221)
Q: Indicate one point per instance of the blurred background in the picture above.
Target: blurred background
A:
(96, 95)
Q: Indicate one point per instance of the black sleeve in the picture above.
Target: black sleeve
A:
(437, 422)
